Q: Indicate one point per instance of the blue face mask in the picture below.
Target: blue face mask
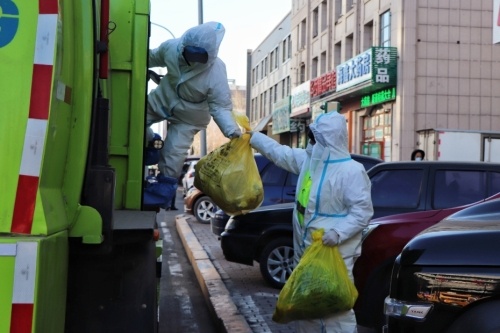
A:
(195, 54)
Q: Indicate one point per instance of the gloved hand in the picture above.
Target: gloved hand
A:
(331, 238)
(235, 134)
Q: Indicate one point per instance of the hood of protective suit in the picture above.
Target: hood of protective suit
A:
(330, 132)
(207, 36)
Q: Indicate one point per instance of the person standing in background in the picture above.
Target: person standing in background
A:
(418, 155)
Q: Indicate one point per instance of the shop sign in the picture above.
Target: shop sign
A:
(378, 97)
(297, 125)
(301, 97)
(323, 84)
(281, 116)
(377, 64)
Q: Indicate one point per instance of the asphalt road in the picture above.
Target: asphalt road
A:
(182, 306)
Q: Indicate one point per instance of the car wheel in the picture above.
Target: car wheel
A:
(276, 261)
(204, 209)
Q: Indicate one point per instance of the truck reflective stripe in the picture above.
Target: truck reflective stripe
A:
(34, 140)
(21, 319)
(24, 206)
(47, 6)
(23, 295)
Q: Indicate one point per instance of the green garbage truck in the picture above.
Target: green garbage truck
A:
(78, 251)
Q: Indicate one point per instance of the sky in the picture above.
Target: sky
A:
(247, 24)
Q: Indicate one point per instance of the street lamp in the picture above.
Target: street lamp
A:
(158, 25)
(203, 133)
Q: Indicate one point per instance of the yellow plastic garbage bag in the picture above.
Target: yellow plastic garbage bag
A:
(318, 287)
(229, 174)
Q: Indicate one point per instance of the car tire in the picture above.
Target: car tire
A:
(276, 261)
(480, 318)
(204, 209)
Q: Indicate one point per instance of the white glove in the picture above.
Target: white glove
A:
(235, 134)
(331, 238)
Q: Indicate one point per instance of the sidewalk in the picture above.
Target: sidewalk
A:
(214, 289)
(237, 294)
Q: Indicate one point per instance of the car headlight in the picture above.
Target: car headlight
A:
(231, 224)
(397, 308)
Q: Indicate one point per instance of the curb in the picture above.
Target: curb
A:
(218, 298)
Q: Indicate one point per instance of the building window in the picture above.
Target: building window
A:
(385, 29)
(275, 98)
(276, 58)
(349, 45)
(283, 88)
(253, 76)
(271, 94)
(314, 68)
(337, 55)
(266, 67)
(284, 47)
(264, 105)
(302, 77)
(324, 15)
(288, 86)
(303, 30)
(261, 107)
(338, 9)
(323, 63)
(287, 48)
(289, 53)
(368, 35)
(315, 23)
(272, 60)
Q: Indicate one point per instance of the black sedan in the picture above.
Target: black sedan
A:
(447, 279)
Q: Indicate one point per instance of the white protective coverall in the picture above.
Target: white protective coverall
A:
(189, 94)
(340, 199)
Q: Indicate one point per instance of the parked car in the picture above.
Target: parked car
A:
(187, 162)
(188, 179)
(265, 235)
(447, 279)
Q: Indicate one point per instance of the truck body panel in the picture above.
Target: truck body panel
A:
(460, 145)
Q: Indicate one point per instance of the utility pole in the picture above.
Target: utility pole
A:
(203, 133)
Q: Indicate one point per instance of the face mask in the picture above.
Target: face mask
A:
(195, 54)
(418, 158)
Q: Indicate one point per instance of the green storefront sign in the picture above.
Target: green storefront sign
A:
(378, 97)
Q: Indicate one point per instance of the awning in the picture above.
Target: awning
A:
(302, 113)
(262, 123)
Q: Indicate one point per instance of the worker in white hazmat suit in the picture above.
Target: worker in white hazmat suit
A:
(194, 89)
(333, 193)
